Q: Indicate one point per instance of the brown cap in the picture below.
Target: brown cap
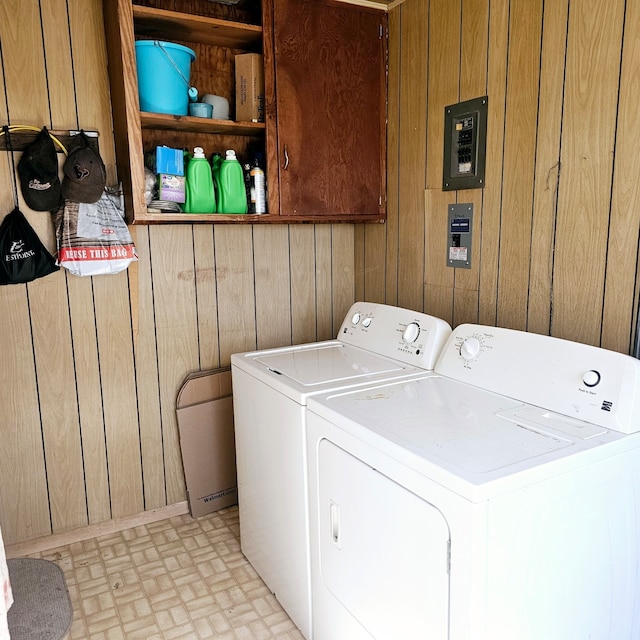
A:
(84, 173)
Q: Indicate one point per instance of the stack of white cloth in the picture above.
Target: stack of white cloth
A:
(6, 596)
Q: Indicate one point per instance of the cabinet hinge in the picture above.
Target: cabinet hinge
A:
(380, 31)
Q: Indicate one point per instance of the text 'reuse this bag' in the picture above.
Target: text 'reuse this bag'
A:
(93, 239)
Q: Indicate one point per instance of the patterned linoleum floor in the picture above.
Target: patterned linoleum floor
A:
(177, 578)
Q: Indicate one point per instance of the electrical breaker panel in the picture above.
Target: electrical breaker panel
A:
(460, 235)
(465, 144)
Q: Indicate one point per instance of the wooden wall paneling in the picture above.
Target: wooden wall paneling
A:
(303, 283)
(272, 281)
(236, 290)
(359, 258)
(147, 381)
(343, 277)
(391, 230)
(55, 29)
(473, 84)
(56, 376)
(324, 283)
(119, 403)
(91, 77)
(26, 93)
(79, 291)
(22, 49)
(111, 294)
(547, 170)
(24, 502)
(89, 391)
(375, 248)
(174, 299)
(207, 305)
(588, 138)
(618, 324)
(525, 29)
(412, 156)
(48, 303)
(438, 287)
(492, 201)
(443, 89)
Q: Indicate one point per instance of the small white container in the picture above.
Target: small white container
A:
(220, 106)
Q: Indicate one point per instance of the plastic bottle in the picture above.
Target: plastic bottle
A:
(200, 195)
(258, 194)
(246, 172)
(232, 196)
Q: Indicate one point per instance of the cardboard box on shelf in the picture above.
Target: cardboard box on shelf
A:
(204, 409)
(249, 87)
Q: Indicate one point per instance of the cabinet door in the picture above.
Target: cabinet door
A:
(330, 93)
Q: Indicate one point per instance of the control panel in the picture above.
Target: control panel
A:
(585, 382)
(408, 336)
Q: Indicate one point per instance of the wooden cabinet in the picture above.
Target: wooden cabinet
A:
(330, 109)
(325, 85)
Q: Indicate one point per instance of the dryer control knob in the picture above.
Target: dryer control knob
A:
(411, 333)
(366, 323)
(355, 318)
(591, 378)
(470, 348)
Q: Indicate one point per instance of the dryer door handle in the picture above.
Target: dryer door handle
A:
(334, 520)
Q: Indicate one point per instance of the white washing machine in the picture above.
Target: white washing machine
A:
(496, 498)
(270, 391)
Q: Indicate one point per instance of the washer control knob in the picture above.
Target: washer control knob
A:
(366, 323)
(411, 333)
(470, 348)
(591, 378)
(355, 318)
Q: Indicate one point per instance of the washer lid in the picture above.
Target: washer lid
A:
(333, 362)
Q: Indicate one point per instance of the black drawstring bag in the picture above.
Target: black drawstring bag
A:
(23, 257)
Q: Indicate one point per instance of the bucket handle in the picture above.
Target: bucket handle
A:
(193, 92)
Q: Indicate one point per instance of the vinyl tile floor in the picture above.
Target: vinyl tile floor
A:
(180, 578)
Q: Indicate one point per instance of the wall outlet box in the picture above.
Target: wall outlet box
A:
(249, 87)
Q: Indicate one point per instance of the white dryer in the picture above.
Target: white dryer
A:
(496, 498)
(270, 391)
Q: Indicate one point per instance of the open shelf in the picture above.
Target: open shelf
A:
(199, 125)
(158, 23)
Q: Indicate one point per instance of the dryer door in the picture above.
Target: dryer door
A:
(383, 551)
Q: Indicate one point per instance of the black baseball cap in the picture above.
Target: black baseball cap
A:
(84, 173)
(38, 171)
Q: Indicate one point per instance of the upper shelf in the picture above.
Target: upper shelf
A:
(158, 23)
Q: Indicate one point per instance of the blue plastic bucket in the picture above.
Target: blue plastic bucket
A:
(164, 70)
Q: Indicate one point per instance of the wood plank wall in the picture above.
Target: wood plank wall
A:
(556, 228)
(90, 367)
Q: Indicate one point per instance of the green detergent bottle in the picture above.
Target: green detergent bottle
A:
(232, 195)
(200, 197)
